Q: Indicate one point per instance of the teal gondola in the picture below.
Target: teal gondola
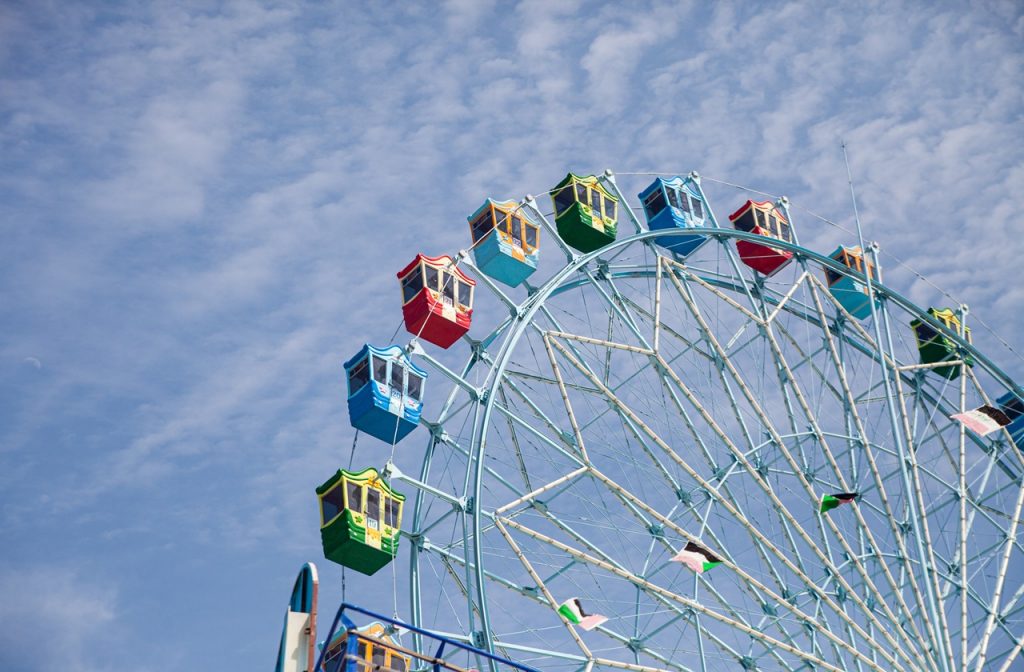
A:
(849, 290)
(506, 244)
(675, 203)
(385, 392)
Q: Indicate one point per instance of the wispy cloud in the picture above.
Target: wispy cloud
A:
(204, 210)
(51, 618)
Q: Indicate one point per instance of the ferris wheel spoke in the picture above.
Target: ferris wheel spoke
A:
(638, 507)
(761, 593)
(778, 441)
(564, 448)
(735, 513)
(515, 442)
(793, 382)
(890, 375)
(908, 463)
(689, 346)
(540, 584)
(823, 558)
(533, 494)
(637, 645)
(1011, 535)
(887, 514)
(807, 358)
(611, 302)
(489, 470)
(620, 638)
(677, 269)
(448, 558)
(684, 601)
(622, 311)
(643, 443)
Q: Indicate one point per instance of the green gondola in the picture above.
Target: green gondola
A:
(585, 213)
(936, 347)
(360, 520)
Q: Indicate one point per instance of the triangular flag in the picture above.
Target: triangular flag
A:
(573, 612)
(983, 420)
(697, 558)
(829, 502)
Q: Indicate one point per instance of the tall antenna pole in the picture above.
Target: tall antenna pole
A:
(853, 197)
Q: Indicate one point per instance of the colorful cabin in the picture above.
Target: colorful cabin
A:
(360, 520)
(505, 241)
(675, 204)
(936, 347)
(585, 213)
(437, 299)
(1013, 407)
(364, 649)
(850, 292)
(385, 392)
(762, 219)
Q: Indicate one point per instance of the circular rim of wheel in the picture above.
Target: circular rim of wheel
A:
(522, 319)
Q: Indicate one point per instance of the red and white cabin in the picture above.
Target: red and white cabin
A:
(764, 219)
(437, 299)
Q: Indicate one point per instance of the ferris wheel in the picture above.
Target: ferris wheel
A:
(690, 444)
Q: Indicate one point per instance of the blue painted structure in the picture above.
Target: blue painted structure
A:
(505, 241)
(434, 661)
(850, 292)
(1013, 407)
(675, 203)
(385, 392)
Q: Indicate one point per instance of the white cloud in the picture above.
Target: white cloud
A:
(205, 209)
(52, 618)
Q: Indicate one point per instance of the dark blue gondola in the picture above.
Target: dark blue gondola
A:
(1013, 407)
(385, 392)
(675, 203)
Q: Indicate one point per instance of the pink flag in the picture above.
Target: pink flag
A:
(983, 420)
(591, 622)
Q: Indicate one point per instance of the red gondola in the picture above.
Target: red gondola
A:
(437, 299)
(763, 219)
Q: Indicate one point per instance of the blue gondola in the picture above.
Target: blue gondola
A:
(675, 204)
(850, 292)
(506, 244)
(1013, 407)
(385, 392)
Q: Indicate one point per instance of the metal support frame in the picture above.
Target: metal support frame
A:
(494, 388)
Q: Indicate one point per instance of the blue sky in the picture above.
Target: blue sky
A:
(204, 206)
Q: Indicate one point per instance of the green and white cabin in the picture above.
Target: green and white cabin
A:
(586, 214)
(360, 520)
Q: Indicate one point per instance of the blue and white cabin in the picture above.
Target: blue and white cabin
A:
(675, 204)
(1013, 407)
(506, 243)
(850, 292)
(385, 392)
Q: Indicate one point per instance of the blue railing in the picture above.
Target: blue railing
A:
(436, 661)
